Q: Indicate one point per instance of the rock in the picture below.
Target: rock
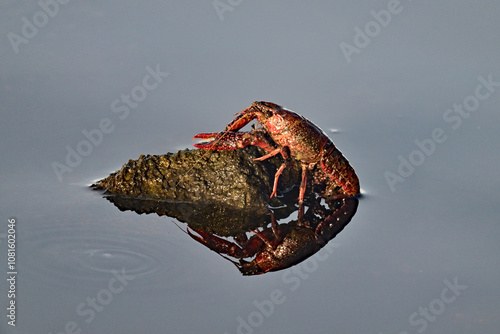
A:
(231, 178)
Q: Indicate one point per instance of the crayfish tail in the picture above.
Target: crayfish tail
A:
(339, 169)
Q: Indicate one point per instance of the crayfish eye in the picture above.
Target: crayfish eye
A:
(267, 108)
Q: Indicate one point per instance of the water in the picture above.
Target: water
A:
(421, 256)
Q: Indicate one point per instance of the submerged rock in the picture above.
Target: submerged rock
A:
(229, 177)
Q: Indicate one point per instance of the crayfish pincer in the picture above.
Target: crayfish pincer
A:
(295, 137)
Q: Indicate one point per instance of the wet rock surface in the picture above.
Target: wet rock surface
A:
(231, 178)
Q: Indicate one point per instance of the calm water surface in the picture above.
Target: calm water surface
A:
(421, 253)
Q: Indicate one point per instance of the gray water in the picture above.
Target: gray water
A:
(397, 85)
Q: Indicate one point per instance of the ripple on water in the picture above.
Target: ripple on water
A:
(63, 256)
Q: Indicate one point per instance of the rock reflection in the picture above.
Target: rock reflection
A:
(255, 241)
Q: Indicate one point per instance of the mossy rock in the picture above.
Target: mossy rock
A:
(232, 178)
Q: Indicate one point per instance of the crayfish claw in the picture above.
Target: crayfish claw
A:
(211, 135)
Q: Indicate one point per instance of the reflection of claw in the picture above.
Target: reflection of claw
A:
(216, 244)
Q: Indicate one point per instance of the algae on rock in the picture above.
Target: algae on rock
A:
(229, 177)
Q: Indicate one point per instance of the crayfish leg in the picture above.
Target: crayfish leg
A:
(303, 185)
(285, 152)
(280, 170)
(269, 155)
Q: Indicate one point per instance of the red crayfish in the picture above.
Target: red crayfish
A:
(295, 137)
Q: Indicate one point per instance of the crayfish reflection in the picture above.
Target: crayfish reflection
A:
(280, 246)
(255, 241)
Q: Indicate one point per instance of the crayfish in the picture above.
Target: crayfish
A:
(295, 137)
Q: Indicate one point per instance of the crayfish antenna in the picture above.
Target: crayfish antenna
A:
(191, 168)
(180, 228)
(199, 159)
